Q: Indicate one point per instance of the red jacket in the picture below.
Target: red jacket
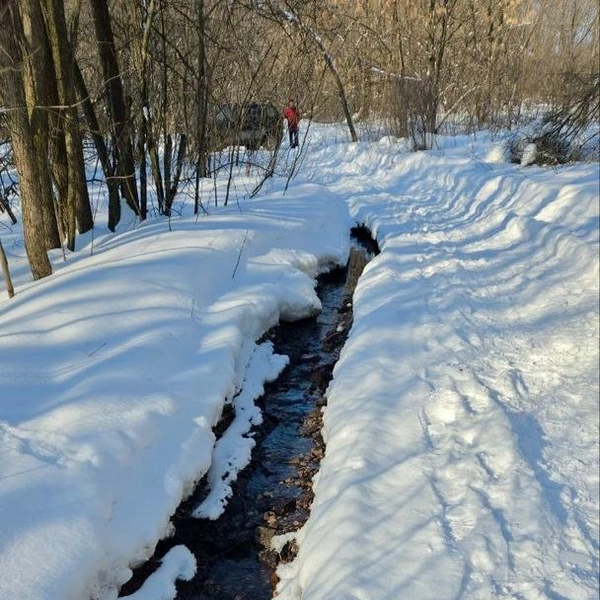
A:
(292, 115)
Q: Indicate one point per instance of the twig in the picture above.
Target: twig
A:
(98, 348)
(240, 254)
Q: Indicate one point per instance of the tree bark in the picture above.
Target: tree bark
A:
(39, 88)
(174, 182)
(21, 132)
(340, 88)
(201, 96)
(143, 13)
(80, 211)
(124, 163)
(112, 183)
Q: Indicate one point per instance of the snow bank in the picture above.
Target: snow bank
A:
(462, 420)
(115, 369)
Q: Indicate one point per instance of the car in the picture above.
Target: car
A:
(249, 124)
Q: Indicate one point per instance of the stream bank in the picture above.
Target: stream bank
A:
(273, 494)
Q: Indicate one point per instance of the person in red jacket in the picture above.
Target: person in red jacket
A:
(292, 116)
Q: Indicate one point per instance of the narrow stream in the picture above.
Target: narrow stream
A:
(273, 494)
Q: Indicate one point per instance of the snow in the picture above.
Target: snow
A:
(178, 563)
(466, 446)
(461, 424)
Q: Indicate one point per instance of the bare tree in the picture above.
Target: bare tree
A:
(303, 19)
(60, 39)
(115, 99)
(163, 68)
(22, 131)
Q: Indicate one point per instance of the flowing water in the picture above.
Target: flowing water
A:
(273, 494)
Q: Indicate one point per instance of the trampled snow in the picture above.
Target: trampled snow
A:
(462, 419)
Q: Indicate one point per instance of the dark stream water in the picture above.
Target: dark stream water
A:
(273, 494)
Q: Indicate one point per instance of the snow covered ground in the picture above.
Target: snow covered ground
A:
(462, 421)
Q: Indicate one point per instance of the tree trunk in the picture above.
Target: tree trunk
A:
(124, 163)
(141, 153)
(112, 183)
(80, 210)
(31, 192)
(143, 13)
(201, 97)
(155, 164)
(438, 39)
(340, 88)
(174, 184)
(317, 40)
(166, 133)
(39, 89)
(6, 272)
(401, 98)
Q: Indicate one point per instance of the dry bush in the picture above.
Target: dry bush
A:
(568, 132)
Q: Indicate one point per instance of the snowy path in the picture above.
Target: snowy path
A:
(462, 420)
(461, 427)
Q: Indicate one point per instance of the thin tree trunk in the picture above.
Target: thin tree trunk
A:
(289, 17)
(125, 167)
(166, 134)
(201, 97)
(5, 271)
(78, 198)
(112, 184)
(141, 56)
(141, 152)
(155, 166)
(179, 160)
(340, 88)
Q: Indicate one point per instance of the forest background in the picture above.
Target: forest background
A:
(139, 83)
